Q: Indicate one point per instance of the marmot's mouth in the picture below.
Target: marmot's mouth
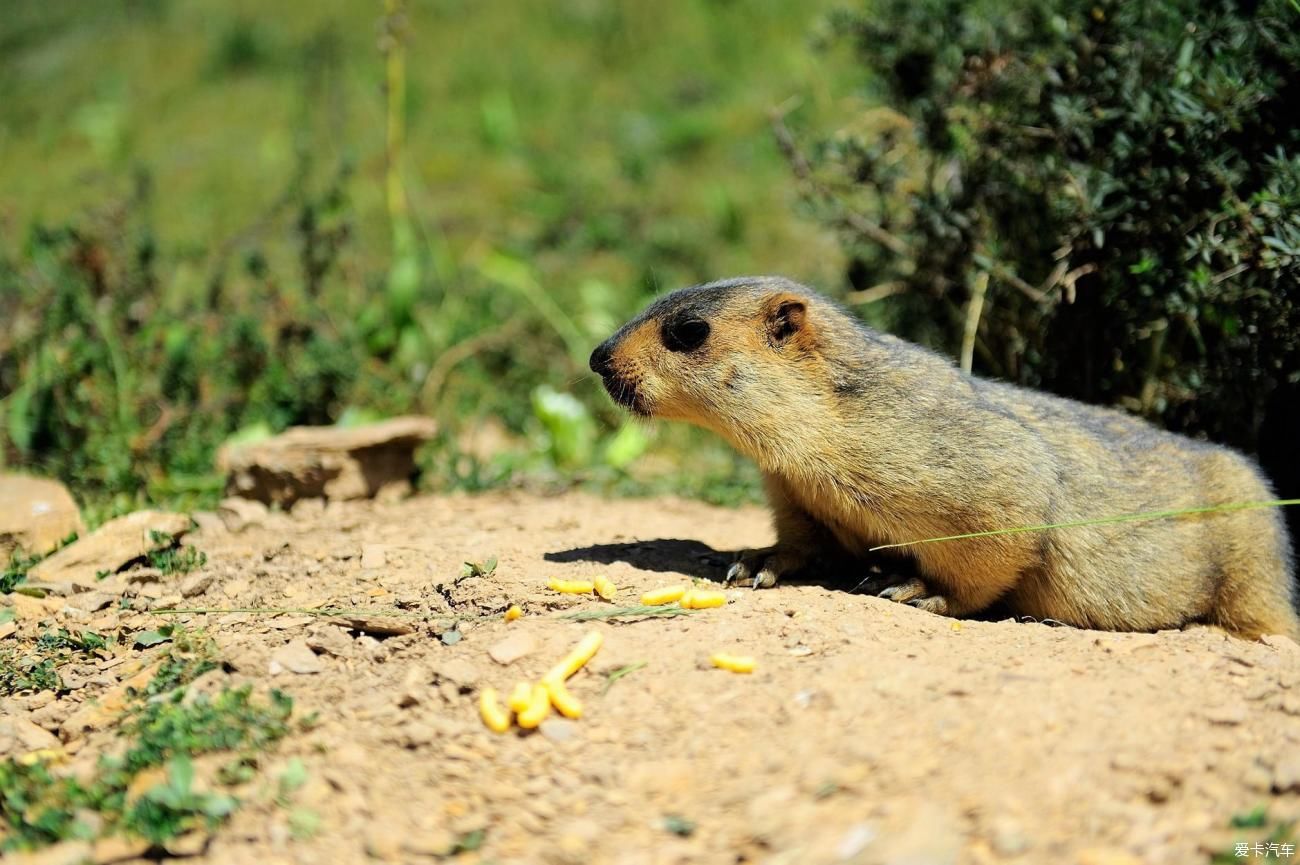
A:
(625, 394)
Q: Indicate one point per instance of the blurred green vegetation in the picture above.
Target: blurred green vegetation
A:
(201, 236)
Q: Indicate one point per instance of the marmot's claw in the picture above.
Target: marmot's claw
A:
(765, 579)
(906, 591)
(915, 593)
(936, 604)
(737, 571)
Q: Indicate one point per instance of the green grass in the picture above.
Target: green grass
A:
(162, 728)
(196, 240)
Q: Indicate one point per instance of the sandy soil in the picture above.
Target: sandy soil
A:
(870, 732)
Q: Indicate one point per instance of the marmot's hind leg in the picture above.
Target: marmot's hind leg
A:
(1254, 605)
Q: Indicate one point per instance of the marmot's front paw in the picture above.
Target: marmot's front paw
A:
(915, 593)
(765, 566)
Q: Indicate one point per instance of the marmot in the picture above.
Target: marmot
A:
(865, 439)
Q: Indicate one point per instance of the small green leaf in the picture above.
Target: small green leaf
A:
(153, 638)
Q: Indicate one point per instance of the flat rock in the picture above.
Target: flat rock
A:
(512, 648)
(36, 515)
(238, 514)
(338, 463)
(20, 736)
(109, 547)
(296, 657)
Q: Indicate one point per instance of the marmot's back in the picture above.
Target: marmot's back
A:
(865, 439)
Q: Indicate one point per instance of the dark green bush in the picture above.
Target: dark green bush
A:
(1127, 175)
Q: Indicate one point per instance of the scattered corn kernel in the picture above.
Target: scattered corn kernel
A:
(572, 662)
(496, 718)
(539, 706)
(571, 587)
(520, 697)
(605, 587)
(562, 699)
(701, 599)
(666, 595)
(734, 663)
(513, 613)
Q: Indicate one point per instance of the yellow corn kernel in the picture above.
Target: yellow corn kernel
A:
(666, 595)
(570, 587)
(604, 587)
(520, 697)
(734, 663)
(513, 613)
(496, 718)
(572, 662)
(539, 706)
(562, 698)
(701, 599)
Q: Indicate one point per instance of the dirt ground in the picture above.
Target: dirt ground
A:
(869, 732)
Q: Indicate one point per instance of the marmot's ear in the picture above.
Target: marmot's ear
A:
(785, 315)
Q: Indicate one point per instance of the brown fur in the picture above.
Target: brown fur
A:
(865, 439)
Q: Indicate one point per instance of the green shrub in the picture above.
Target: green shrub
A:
(1127, 175)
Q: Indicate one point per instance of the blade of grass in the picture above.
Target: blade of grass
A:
(1122, 518)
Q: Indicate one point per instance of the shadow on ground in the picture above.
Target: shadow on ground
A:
(666, 555)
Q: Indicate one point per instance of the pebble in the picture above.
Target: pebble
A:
(196, 584)
(518, 645)
(373, 556)
(295, 657)
(559, 730)
(1286, 775)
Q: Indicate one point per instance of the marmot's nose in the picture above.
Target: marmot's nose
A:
(600, 359)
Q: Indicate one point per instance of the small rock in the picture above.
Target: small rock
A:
(329, 640)
(51, 716)
(209, 522)
(373, 556)
(7, 629)
(415, 687)
(559, 729)
(519, 644)
(62, 853)
(435, 843)
(458, 672)
(34, 609)
(166, 602)
(1228, 714)
(238, 514)
(93, 602)
(111, 546)
(372, 648)
(384, 843)
(855, 841)
(19, 736)
(36, 515)
(1286, 775)
(1008, 837)
(115, 848)
(295, 657)
(325, 462)
(1281, 642)
(234, 588)
(196, 584)
(189, 844)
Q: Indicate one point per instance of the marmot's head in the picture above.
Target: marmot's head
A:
(740, 357)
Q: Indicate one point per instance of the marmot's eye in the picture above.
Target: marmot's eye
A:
(685, 334)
